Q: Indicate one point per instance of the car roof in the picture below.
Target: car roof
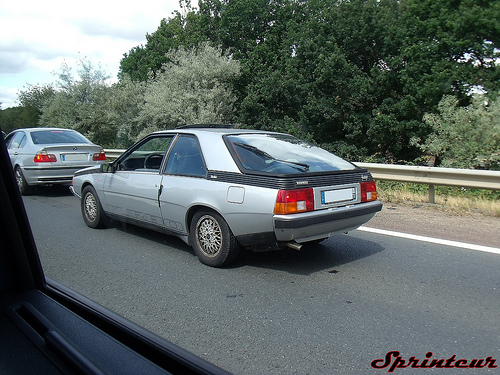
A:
(31, 130)
(210, 137)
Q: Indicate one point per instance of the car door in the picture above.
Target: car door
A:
(184, 180)
(15, 147)
(132, 191)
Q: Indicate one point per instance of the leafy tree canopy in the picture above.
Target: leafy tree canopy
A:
(464, 137)
(81, 103)
(193, 87)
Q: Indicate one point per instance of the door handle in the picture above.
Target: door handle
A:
(160, 189)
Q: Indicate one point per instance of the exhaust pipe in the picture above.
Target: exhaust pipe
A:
(294, 245)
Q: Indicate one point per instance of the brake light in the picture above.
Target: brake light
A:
(292, 201)
(368, 191)
(99, 156)
(43, 157)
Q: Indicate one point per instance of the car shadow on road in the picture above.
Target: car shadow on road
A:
(328, 255)
(151, 235)
(331, 253)
(51, 191)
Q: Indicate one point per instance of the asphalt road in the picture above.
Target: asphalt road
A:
(330, 310)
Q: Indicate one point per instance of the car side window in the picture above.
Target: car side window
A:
(147, 157)
(17, 140)
(8, 140)
(186, 158)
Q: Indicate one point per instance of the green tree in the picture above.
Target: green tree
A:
(14, 118)
(453, 43)
(464, 137)
(127, 101)
(28, 113)
(82, 103)
(181, 30)
(316, 74)
(194, 87)
(239, 26)
(445, 47)
(33, 98)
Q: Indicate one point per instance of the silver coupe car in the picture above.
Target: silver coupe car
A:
(47, 156)
(222, 189)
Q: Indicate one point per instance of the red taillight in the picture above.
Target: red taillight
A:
(43, 157)
(99, 156)
(368, 191)
(292, 201)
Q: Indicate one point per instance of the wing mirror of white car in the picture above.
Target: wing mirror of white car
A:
(107, 168)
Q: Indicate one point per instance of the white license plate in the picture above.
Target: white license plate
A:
(74, 157)
(338, 195)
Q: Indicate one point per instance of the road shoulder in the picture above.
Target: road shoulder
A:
(432, 221)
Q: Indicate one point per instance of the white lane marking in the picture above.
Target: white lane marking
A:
(463, 245)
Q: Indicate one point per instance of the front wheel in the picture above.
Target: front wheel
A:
(213, 242)
(92, 212)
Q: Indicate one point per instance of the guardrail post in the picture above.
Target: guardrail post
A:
(432, 194)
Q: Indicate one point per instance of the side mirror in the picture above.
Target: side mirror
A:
(107, 168)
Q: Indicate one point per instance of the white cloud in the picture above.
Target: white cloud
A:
(37, 36)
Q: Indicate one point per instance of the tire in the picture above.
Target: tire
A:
(23, 186)
(213, 242)
(92, 212)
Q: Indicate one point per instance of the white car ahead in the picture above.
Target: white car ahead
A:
(221, 189)
(48, 156)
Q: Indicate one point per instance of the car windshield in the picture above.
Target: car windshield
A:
(48, 137)
(282, 154)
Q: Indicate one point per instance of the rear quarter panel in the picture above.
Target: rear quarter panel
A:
(89, 176)
(246, 209)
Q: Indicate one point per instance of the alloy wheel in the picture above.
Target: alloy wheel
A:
(209, 235)
(90, 206)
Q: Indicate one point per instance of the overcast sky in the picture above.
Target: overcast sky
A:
(37, 36)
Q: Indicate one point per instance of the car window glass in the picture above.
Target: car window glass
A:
(17, 140)
(282, 154)
(147, 157)
(186, 158)
(47, 137)
(23, 141)
(9, 139)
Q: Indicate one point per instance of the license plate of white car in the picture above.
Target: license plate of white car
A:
(338, 195)
(74, 157)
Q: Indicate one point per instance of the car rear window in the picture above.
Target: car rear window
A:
(48, 137)
(282, 154)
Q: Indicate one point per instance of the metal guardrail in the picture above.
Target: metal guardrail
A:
(435, 176)
(432, 176)
(112, 154)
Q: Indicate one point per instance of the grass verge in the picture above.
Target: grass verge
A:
(459, 200)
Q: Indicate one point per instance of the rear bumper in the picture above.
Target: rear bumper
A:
(50, 175)
(313, 225)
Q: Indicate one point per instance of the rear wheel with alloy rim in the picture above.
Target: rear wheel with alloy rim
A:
(23, 186)
(92, 212)
(213, 242)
